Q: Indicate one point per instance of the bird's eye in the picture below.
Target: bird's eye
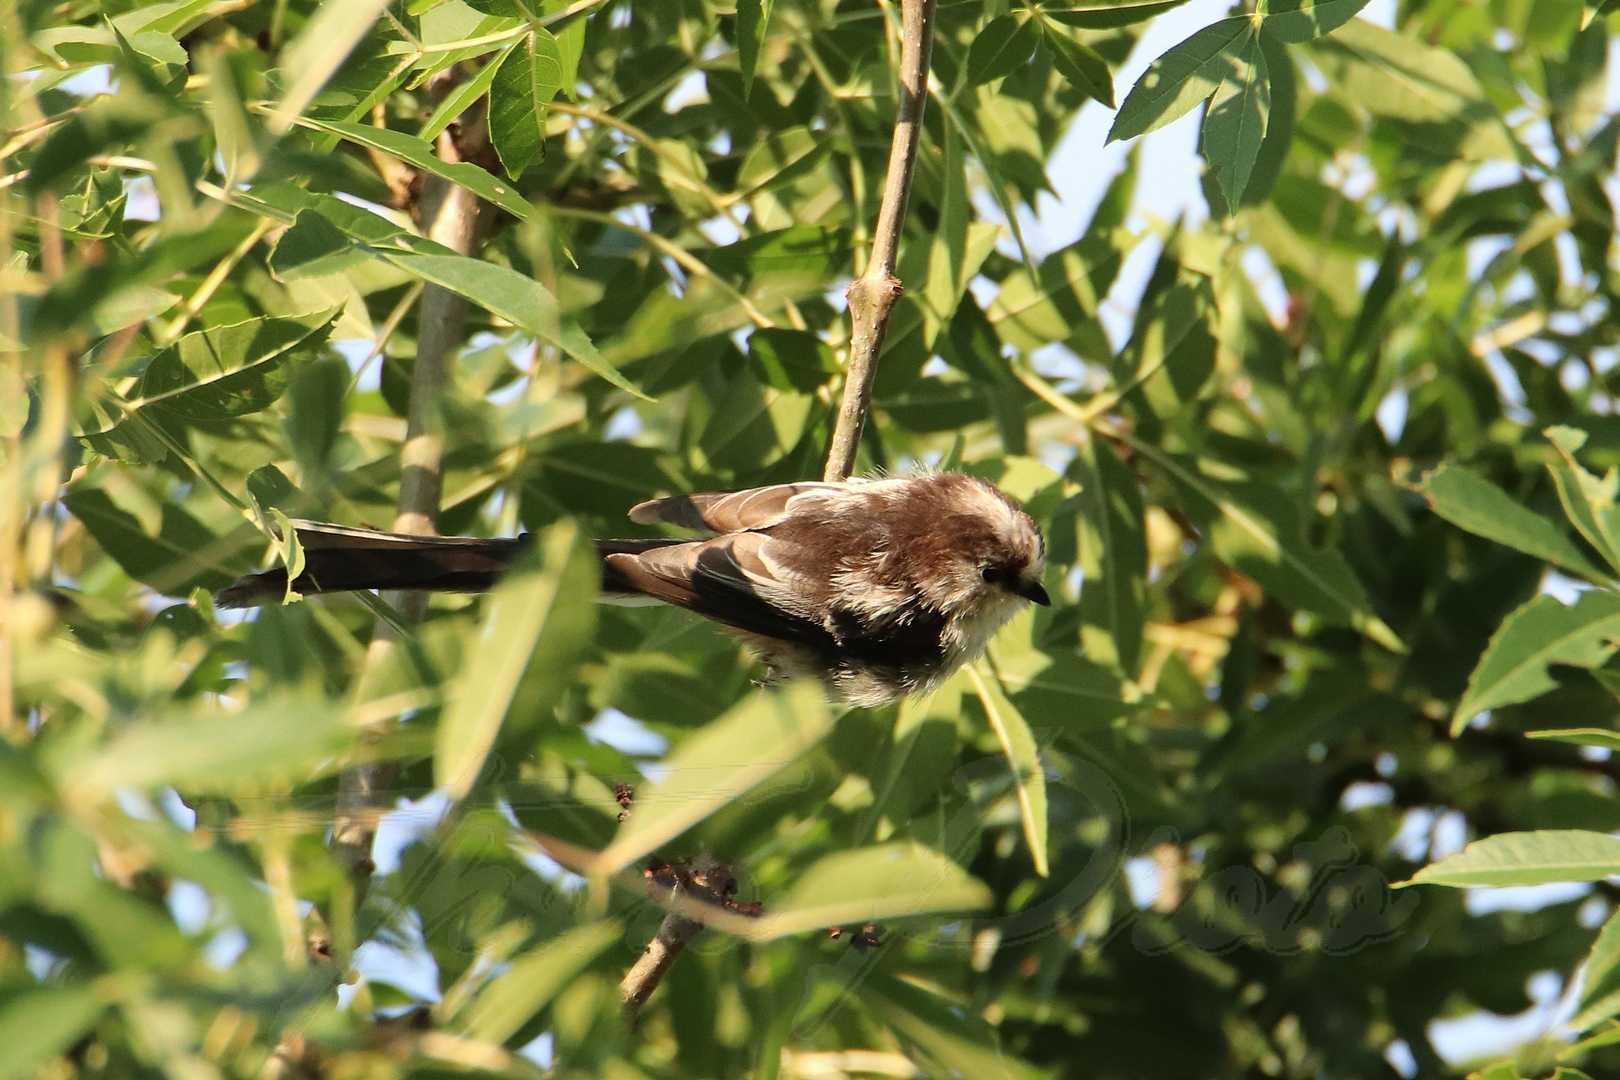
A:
(990, 574)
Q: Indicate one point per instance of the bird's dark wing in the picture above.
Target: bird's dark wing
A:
(728, 511)
(730, 579)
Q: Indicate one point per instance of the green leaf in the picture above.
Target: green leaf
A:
(1526, 858)
(778, 158)
(1471, 502)
(1541, 633)
(40, 1022)
(1110, 16)
(525, 83)
(1260, 531)
(1600, 979)
(1004, 45)
(955, 1041)
(1235, 122)
(319, 50)
(1604, 738)
(1295, 21)
(1177, 81)
(419, 153)
(1023, 758)
(1279, 122)
(755, 739)
(522, 301)
(1113, 557)
(1589, 502)
(1399, 77)
(753, 21)
(533, 628)
(889, 881)
(459, 100)
(1081, 66)
(209, 750)
(165, 548)
(518, 994)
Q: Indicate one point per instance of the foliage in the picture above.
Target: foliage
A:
(1303, 468)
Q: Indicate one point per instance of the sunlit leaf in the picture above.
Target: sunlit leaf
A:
(1539, 634)
(1527, 858)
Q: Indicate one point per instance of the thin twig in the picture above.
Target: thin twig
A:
(450, 214)
(706, 883)
(873, 294)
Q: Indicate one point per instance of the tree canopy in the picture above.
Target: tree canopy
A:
(1327, 479)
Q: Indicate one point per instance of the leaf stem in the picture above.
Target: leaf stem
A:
(873, 294)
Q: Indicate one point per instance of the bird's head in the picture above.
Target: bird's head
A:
(988, 554)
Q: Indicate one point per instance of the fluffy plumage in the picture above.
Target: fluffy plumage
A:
(879, 588)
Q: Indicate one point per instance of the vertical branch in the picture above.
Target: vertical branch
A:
(451, 214)
(872, 295)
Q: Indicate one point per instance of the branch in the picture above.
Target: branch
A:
(872, 295)
(451, 214)
(706, 882)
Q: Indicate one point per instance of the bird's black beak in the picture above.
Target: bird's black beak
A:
(1034, 592)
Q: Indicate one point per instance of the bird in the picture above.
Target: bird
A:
(878, 587)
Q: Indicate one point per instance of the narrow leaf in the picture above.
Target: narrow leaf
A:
(37, 1023)
(1004, 45)
(763, 734)
(1082, 66)
(533, 621)
(1527, 858)
(1471, 502)
(753, 22)
(1113, 557)
(1600, 979)
(1541, 633)
(889, 881)
(513, 998)
(273, 741)
(1110, 16)
(1177, 81)
(319, 50)
(1023, 758)
(419, 152)
(1235, 123)
(1605, 738)
(1589, 502)
(1295, 21)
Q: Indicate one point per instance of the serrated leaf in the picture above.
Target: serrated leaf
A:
(529, 983)
(523, 88)
(1295, 21)
(534, 625)
(1023, 758)
(753, 21)
(1543, 632)
(889, 881)
(755, 739)
(1177, 81)
(1004, 45)
(1235, 122)
(1526, 858)
(419, 153)
(1471, 502)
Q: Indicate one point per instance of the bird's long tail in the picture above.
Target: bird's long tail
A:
(342, 559)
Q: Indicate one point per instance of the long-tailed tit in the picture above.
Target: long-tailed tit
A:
(879, 588)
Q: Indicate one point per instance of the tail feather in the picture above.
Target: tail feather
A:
(342, 559)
